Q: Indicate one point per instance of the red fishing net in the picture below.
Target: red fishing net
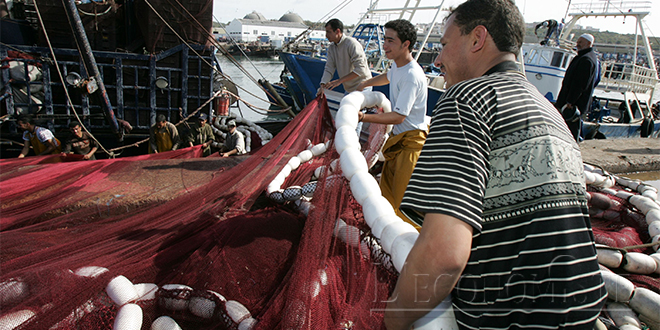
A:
(616, 223)
(92, 245)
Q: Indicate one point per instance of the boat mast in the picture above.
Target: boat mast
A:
(85, 50)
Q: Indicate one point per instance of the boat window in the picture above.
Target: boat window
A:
(532, 57)
(545, 57)
(556, 59)
(563, 65)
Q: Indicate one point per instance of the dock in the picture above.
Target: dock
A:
(619, 156)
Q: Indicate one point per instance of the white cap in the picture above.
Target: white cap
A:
(588, 37)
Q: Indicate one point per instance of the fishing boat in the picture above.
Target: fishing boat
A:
(125, 64)
(623, 105)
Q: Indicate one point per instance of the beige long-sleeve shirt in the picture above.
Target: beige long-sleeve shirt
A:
(345, 57)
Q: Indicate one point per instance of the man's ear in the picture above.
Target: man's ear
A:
(406, 44)
(478, 38)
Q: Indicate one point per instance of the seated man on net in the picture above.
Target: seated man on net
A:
(201, 133)
(80, 143)
(234, 141)
(41, 139)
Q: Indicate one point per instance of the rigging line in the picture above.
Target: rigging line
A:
(217, 44)
(177, 124)
(251, 106)
(181, 38)
(335, 10)
(59, 73)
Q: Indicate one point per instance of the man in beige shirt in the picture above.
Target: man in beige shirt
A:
(346, 56)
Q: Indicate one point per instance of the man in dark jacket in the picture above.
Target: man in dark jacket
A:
(578, 85)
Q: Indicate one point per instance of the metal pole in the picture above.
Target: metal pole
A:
(90, 63)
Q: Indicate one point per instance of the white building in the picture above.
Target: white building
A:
(255, 27)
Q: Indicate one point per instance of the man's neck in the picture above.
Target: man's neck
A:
(339, 40)
(404, 59)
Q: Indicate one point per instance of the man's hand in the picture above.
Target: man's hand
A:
(87, 156)
(360, 116)
(224, 155)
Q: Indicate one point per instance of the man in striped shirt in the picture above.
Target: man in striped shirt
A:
(499, 191)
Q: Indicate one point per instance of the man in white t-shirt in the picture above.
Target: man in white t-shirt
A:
(41, 139)
(408, 94)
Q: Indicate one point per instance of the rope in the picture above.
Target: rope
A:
(66, 90)
(184, 120)
(255, 108)
(625, 249)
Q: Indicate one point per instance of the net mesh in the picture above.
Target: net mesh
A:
(195, 238)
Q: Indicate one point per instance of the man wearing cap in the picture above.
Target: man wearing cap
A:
(163, 136)
(234, 141)
(578, 85)
(201, 133)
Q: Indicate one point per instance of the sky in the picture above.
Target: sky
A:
(533, 11)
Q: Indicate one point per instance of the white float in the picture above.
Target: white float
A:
(146, 291)
(618, 288)
(165, 323)
(13, 320)
(181, 299)
(236, 311)
(363, 185)
(129, 317)
(121, 290)
(90, 271)
(646, 302)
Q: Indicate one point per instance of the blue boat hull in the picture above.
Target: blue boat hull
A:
(307, 72)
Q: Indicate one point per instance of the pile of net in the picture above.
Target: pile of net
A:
(217, 255)
(278, 239)
(625, 217)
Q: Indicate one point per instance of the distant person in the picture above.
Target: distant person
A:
(80, 143)
(163, 136)
(499, 191)
(551, 26)
(578, 84)
(346, 56)
(234, 141)
(41, 139)
(201, 133)
(408, 94)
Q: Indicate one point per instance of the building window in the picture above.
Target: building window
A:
(255, 31)
(288, 34)
(246, 32)
(272, 33)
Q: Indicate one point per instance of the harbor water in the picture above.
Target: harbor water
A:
(258, 68)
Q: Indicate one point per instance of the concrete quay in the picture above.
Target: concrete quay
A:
(619, 156)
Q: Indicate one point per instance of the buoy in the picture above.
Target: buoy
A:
(622, 314)
(247, 324)
(174, 297)
(352, 161)
(654, 228)
(392, 231)
(609, 258)
(305, 156)
(236, 311)
(652, 216)
(15, 319)
(165, 323)
(146, 291)
(618, 288)
(639, 263)
(345, 138)
(11, 291)
(646, 302)
(374, 207)
(90, 271)
(294, 163)
(401, 248)
(363, 185)
(318, 149)
(382, 222)
(203, 307)
(121, 290)
(129, 317)
(350, 235)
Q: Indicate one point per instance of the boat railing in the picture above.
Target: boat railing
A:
(130, 81)
(627, 77)
(613, 7)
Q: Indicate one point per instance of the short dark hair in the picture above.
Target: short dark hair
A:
(26, 119)
(160, 118)
(335, 24)
(404, 30)
(74, 124)
(501, 18)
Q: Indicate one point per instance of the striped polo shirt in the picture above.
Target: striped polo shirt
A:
(500, 157)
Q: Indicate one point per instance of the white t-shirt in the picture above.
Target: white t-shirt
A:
(43, 134)
(408, 94)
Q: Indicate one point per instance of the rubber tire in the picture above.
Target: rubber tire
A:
(646, 128)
